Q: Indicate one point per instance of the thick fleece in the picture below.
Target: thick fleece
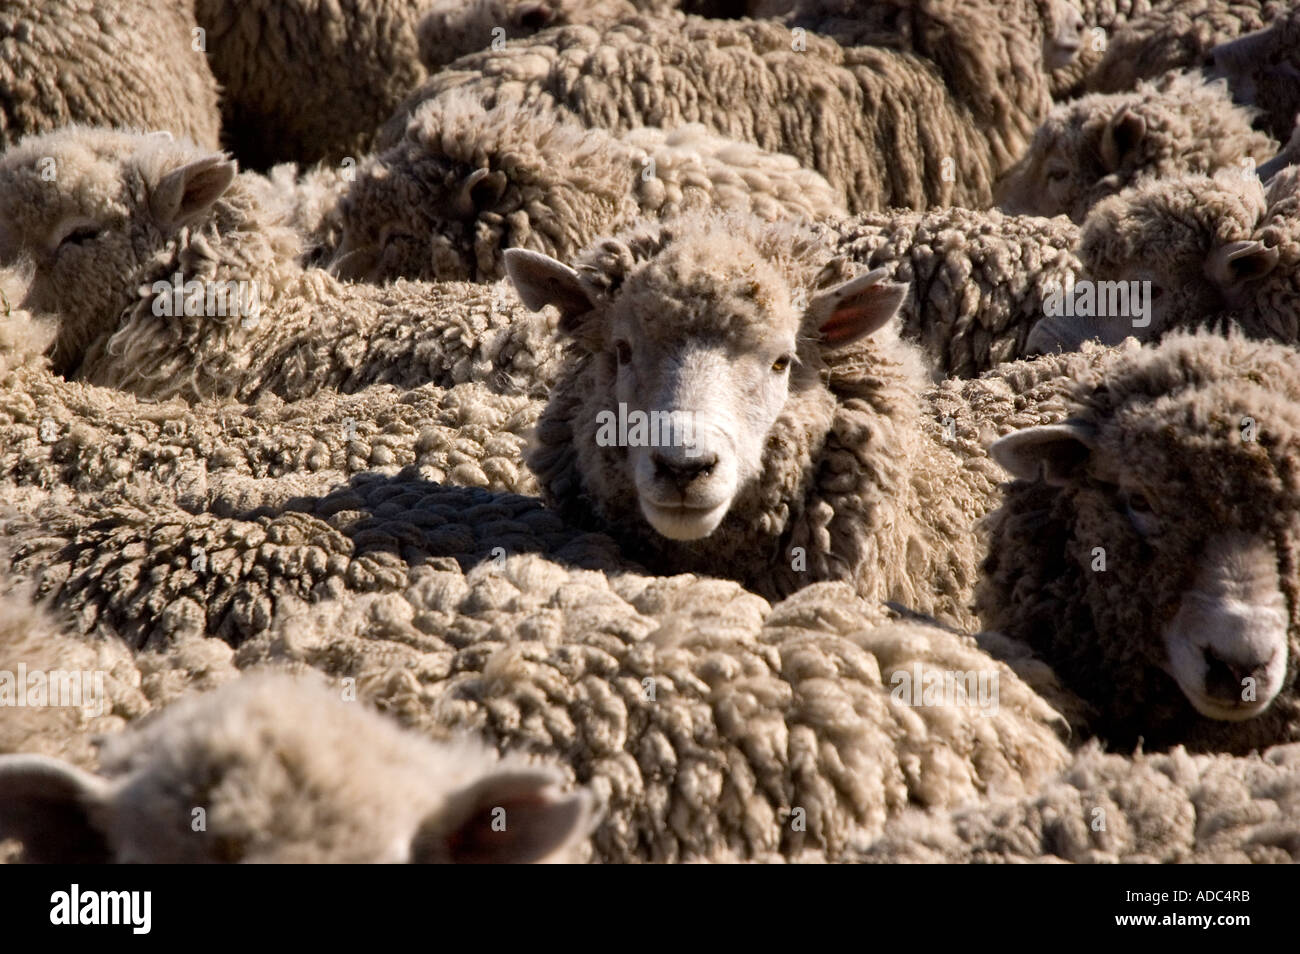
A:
(124, 63)
(978, 280)
(466, 183)
(932, 126)
(306, 80)
(1172, 808)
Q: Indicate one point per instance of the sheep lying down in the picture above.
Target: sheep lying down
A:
(274, 769)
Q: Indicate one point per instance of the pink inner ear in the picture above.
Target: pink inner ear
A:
(845, 323)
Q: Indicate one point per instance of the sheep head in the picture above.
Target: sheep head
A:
(1165, 533)
(1263, 70)
(1062, 33)
(286, 772)
(1197, 241)
(700, 348)
(1099, 144)
(91, 209)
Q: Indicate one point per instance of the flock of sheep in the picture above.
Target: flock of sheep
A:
(650, 430)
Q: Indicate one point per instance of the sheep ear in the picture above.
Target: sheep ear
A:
(190, 190)
(1235, 263)
(1056, 452)
(540, 280)
(482, 189)
(1120, 137)
(854, 309)
(513, 816)
(49, 806)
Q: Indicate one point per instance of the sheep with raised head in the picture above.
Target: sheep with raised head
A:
(935, 125)
(1148, 551)
(169, 276)
(1201, 251)
(720, 413)
(466, 183)
(1100, 144)
(124, 63)
(284, 770)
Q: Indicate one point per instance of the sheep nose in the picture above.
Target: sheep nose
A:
(683, 470)
(1224, 677)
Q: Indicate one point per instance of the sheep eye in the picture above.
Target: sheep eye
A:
(1141, 515)
(81, 235)
(781, 363)
(622, 351)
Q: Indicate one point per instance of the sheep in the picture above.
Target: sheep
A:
(123, 63)
(305, 80)
(978, 279)
(1176, 34)
(136, 230)
(783, 444)
(1261, 68)
(1147, 550)
(1101, 18)
(709, 725)
(1095, 146)
(950, 115)
(1213, 252)
(284, 770)
(1170, 808)
(466, 183)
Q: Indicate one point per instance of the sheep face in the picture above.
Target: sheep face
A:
(267, 769)
(1063, 36)
(1179, 522)
(1083, 152)
(88, 209)
(1193, 239)
(704, 350)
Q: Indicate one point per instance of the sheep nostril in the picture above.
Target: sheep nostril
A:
(683, 472)
(1225, 680)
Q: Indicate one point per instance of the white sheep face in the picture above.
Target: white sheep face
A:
(703, 350)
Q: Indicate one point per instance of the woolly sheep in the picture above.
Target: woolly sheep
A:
(1101, 18)
(787, 446)
(309, 80)
(1217, 251)
(128, 213)
(934, 126)
(286, 771)
(1148, 550)
(123, 63)
(978, 278)
(1172, 808)
(1097, 145)
(1262, 68)
(1176, 34)
(466, 183)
